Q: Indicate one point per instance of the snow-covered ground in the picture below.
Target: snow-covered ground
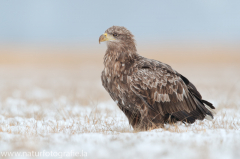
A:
(62, 114)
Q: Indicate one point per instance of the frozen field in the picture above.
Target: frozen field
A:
(66, 113)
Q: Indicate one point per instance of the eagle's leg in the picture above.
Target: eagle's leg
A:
(134, 117)
(150, 120)
(142, 119)
(148, 124)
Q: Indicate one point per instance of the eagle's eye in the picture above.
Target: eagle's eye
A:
(115, 34)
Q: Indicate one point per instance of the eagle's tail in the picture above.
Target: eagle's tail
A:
(208, 104)
(208, 114)
(209, 107)
(201, 112)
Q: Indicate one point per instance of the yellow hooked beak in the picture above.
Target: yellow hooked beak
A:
(106, 37)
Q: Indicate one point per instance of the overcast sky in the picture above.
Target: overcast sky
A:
(74, 21)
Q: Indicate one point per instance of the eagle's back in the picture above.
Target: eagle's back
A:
(151, 93)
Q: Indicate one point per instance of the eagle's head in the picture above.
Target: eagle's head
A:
(118, 37)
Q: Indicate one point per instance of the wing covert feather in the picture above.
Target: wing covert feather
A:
(163, 90)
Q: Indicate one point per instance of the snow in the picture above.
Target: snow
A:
(103, 132)
(53, 116)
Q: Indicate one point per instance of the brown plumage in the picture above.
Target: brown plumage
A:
(149, 92)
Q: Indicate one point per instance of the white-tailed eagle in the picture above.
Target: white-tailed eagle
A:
(149, 92)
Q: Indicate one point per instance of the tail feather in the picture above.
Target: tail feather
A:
(208, 104)
(200, 113)
(203, 108)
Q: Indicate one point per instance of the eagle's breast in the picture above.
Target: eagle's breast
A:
(116, 79)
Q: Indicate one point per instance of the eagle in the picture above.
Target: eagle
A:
(149, 92)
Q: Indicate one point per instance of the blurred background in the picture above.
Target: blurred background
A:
(40, 28)
(59, 39)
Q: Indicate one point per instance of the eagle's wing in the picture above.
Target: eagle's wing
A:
(164, 91)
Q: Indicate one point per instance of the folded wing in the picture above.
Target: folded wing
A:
(167, 93)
